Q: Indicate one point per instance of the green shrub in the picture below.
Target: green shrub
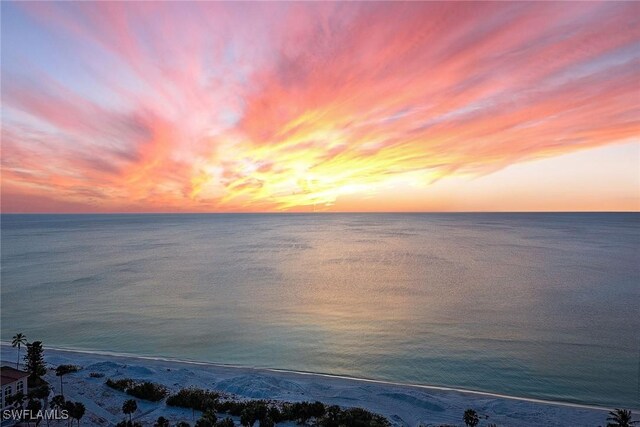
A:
(148, 391)
(231, 407)
(66, 369)
(142, 390)
(194, 398)
(302, 411)
(120, 385)
(268, 413)
(353, 417)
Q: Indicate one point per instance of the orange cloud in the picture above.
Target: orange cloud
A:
(276, 106)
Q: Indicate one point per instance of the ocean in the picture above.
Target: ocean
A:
(532, 305)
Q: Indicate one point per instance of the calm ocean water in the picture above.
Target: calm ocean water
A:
(532, 305)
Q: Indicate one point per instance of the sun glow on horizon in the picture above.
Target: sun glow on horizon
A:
(318, 106)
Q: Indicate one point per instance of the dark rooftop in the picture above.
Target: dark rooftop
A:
(10, 375)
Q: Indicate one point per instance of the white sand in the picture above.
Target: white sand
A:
(403, 405)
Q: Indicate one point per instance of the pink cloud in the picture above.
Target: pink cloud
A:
(284, 105)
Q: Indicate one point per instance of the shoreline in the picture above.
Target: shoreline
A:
(402, 404)
(258, 369)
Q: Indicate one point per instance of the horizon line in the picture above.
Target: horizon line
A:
(321, 212)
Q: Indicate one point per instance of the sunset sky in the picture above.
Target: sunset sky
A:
(252, 107)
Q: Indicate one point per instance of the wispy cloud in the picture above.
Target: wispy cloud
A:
(272, 106)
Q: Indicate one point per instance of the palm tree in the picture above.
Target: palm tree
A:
(57, 402)
(78, 411)
(620, 418)
(470, 418)
(69, 406)
(63, 370)
(18, 340)
(129, 407)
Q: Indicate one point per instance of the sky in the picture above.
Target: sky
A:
(314, 107)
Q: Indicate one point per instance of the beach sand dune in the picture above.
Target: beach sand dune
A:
(403, 405)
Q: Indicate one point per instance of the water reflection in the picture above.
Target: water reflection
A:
(535, 305)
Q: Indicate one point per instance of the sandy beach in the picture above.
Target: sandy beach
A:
(403, 405)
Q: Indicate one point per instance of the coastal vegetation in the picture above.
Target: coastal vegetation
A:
(75, 410)
(18, 340)
(145, 390)
(194, 398)
(265, 413)
(470, 418)
(621, 418)
(37, 397)
(129, 407)
(148, 391)
(34, 362)
(62, 370)
(15, 400)
(40, 392)
(36, 400)
(57, 402)
(120, 385)
(33, 406)
(268, 413)
(215, 408)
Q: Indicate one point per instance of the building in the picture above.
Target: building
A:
(13, 381)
